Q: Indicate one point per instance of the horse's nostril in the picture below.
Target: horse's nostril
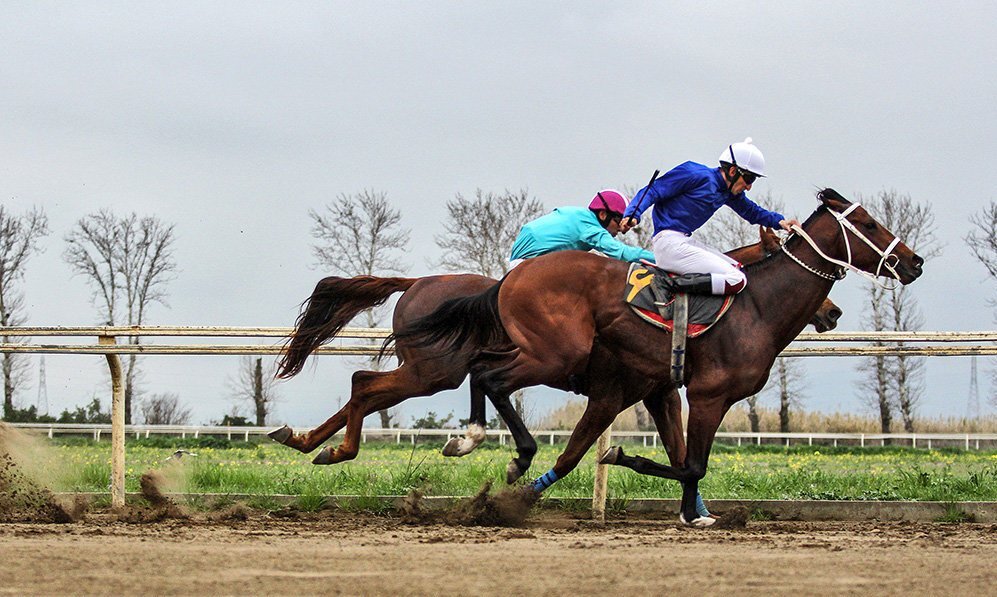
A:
(834, 314)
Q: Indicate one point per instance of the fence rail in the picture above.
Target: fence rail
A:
(648, 438)
(107, 345)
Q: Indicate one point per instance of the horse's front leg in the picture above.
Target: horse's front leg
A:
(600, 412)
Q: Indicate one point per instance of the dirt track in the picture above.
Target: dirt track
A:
(553, 553)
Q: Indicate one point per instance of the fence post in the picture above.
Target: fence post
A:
(117, 425)
(601, 485)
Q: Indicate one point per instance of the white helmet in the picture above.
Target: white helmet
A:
(745, 156)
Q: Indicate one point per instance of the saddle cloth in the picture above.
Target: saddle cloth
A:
(652, 301)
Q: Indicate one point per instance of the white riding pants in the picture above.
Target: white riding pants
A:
(681, 254)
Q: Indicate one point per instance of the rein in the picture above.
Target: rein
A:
(884, 261)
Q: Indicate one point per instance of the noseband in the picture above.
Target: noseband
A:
(887, 259)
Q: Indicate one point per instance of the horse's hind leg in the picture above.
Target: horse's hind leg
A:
(308, 441)
(372, 391)
(475, 434)
(403, 378)
(526, 446)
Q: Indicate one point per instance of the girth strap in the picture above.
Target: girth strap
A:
(680, 316)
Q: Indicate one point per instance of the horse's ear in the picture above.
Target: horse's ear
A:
(770, 241)
(833, 199)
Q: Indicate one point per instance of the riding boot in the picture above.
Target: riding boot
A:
(691, 283)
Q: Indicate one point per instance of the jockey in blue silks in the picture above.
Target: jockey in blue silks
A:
(684, 198)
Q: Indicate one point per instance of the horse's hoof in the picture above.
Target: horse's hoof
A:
(513, 472)
(612, 455)
(459, 446)
(281, 435)
(453, 447)
(700, 522)
(323, 457)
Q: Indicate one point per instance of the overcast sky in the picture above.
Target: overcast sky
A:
(233, 119)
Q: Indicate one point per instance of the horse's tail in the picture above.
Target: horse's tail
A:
(333, 303)
(456, 323)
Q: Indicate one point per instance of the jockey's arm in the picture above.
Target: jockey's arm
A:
(597, 238)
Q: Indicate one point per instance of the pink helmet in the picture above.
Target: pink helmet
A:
(609, 200)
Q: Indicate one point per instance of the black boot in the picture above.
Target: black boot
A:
(691, 284)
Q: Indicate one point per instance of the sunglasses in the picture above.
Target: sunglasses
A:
(749, 177)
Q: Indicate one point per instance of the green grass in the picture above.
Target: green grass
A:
(764, 472)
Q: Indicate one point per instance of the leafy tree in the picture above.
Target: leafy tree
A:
(27, 415)
(431, 421)
(233, 421)
(19, 236)
(127, 262)
(361, 235)
(91, 413)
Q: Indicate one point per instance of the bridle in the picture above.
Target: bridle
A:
(887, 259)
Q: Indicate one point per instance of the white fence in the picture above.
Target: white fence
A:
(968, 441)
(913, 344)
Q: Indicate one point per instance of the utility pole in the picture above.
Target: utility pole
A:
(973, 406)
(42, 389)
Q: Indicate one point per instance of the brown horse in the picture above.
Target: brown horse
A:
(564, 315)
(427, 370)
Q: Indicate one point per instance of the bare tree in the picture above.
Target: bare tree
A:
(127, 262)
(19, 236)
(164, 409)
(982, 242)
(361, 235)
(888, 309)
(255, 388)
(480, 231)
(982, 237)
(786, 382)
(479, 237)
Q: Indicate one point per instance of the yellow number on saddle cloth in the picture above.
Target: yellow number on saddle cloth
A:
(638, 282)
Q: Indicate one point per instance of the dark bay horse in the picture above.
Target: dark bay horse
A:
(564, 310)
(427, 370)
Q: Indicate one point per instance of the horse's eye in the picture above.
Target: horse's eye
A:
(870, 226)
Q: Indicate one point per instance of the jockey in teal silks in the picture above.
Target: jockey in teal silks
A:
(594, 228)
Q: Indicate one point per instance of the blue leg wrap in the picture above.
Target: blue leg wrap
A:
(700, 506)
(544, 481)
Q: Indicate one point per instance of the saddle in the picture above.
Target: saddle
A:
(655, 303)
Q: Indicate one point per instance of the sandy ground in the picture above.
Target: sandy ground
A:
(343, 553)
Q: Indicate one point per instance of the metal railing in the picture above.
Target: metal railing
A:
(108, 346)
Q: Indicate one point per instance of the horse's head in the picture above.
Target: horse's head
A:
(866, 244)
(826, 318)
